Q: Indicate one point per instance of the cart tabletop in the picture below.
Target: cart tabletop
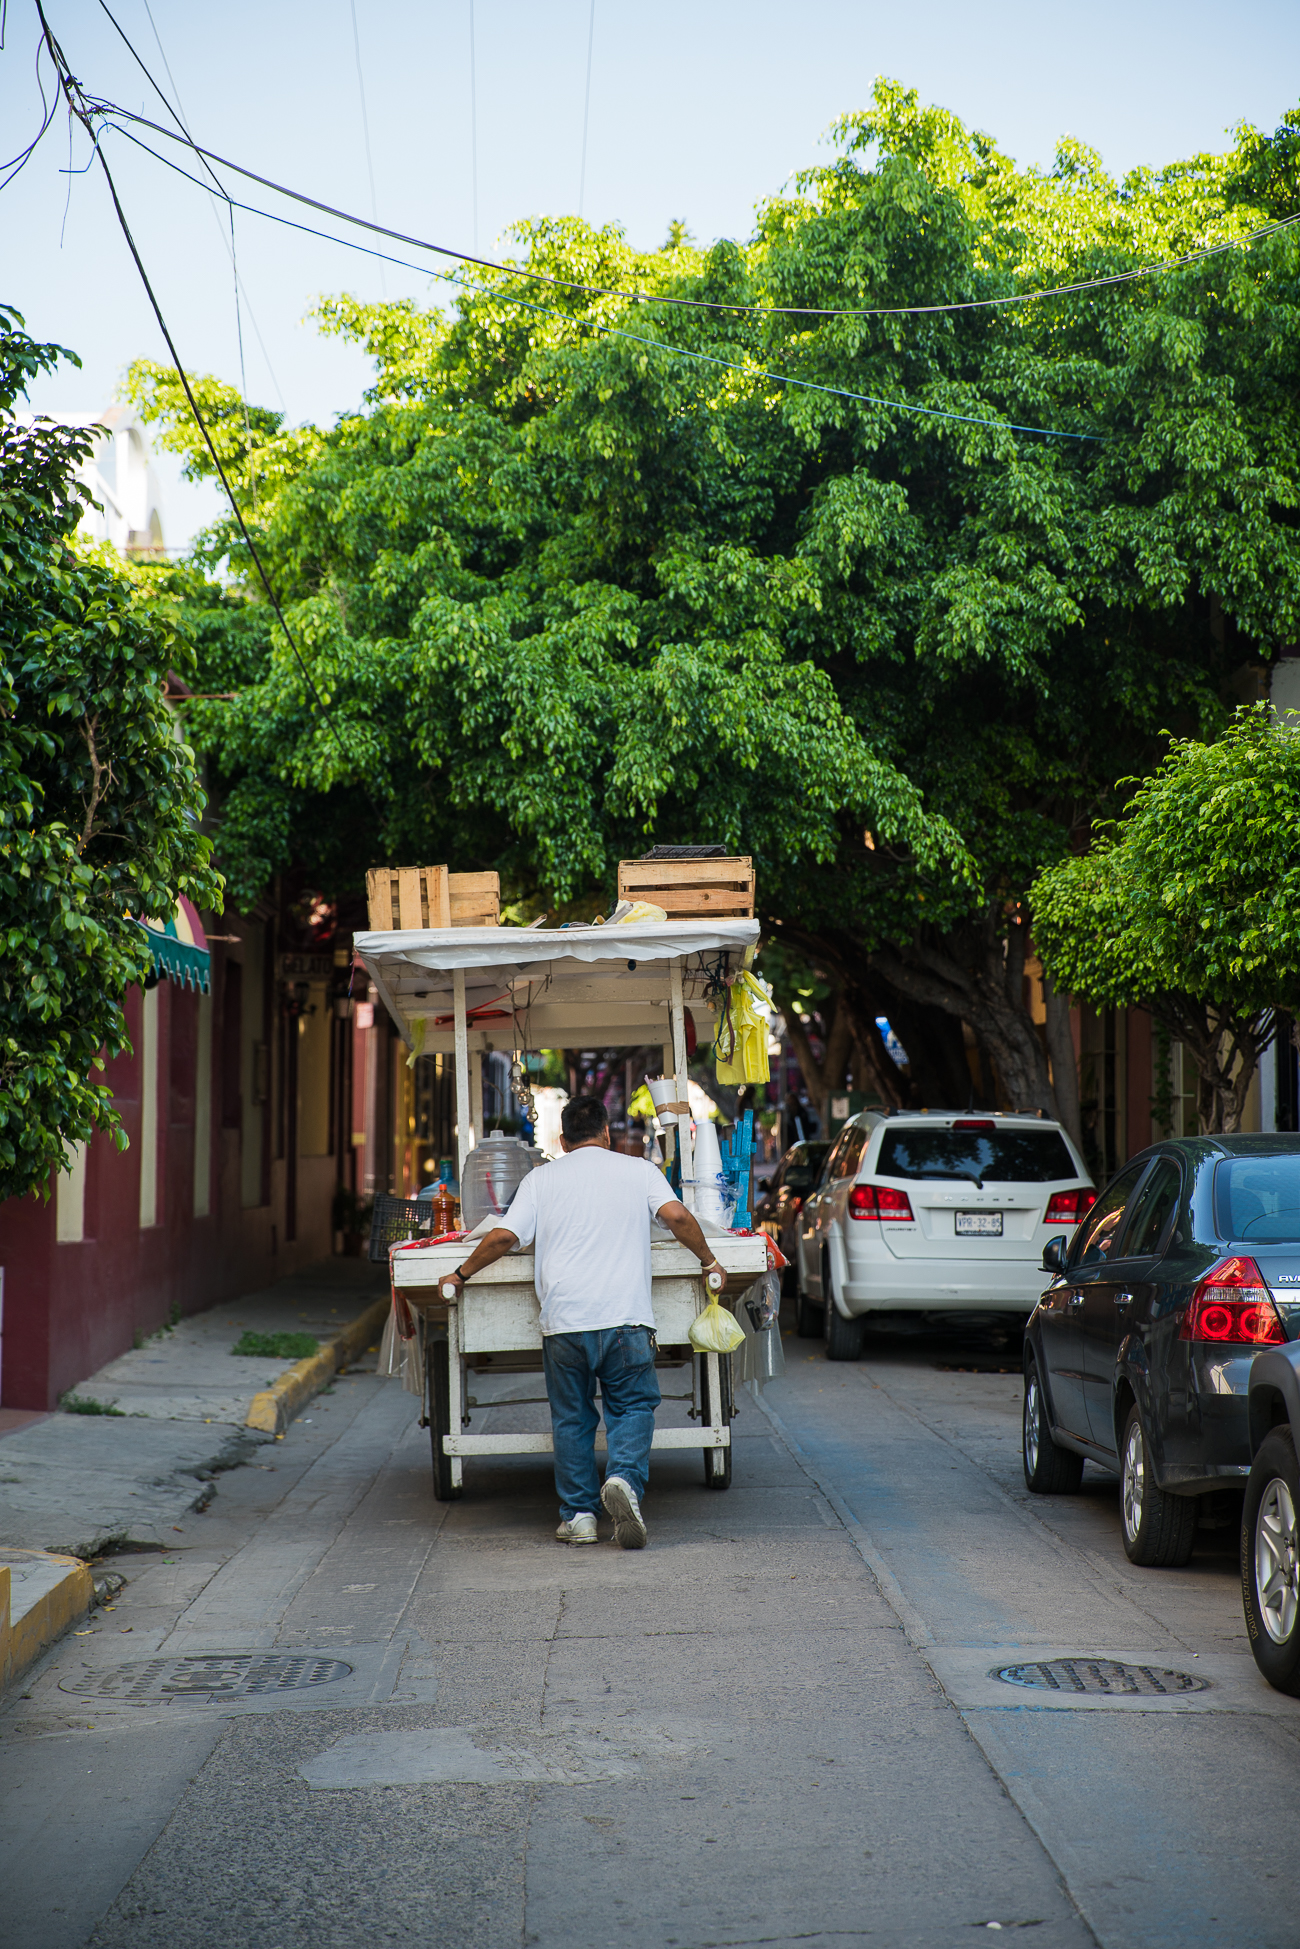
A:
(425, 1265)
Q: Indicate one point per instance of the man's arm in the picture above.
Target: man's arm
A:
(685, 1228)
(488, 1250)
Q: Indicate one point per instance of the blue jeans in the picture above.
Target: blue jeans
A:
(622, 1359)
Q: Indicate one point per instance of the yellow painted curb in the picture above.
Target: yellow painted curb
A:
(69, 1597)
(273, 1409)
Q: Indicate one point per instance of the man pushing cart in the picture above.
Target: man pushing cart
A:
(575, 1279)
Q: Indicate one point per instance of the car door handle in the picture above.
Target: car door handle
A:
(1123, 1299)
(1075, 1299)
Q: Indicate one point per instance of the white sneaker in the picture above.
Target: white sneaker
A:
(619, 1498)
(578, 1529)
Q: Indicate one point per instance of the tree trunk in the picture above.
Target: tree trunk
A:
(977, 975)
(824, 1077)
(1225, 1047)
(1065, 1066)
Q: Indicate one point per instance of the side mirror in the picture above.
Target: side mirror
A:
(1054, 1253)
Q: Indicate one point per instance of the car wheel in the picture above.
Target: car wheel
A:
(1049, 1469)
(1270, 1561)
(810, 1320)
(1159, 1529)
(843, 1337)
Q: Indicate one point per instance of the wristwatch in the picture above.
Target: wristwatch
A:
(458, 1274)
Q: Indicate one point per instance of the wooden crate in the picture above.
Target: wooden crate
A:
(475, 899)
(699, 889)
(402, 898)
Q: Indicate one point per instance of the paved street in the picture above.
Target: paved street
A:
(776, 1725)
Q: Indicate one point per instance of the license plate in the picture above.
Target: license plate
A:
(979, 1224)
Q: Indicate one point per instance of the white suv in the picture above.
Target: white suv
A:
(933, 1212)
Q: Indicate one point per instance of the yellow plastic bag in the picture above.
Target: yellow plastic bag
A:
(715, 1330)
(741, 1040)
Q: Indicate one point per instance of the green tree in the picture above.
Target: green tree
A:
(1191, 907)
(99, 798)
(583, 573)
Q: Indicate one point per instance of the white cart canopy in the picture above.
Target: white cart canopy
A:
(555, 987)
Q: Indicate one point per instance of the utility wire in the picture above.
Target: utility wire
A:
(19, 162)
(78, 106)
(177, 112)
(473, 130)
(586, 108)
(365, 130)
(105, 107)
(637, 338)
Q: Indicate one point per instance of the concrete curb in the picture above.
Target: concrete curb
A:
(53, 1592)
(274, 1408)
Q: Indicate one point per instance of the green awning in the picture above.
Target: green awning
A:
(179, 947)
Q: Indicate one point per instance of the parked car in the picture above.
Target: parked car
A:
(777, 1211)
(1270, 1517)
(1138, 1356)
(933, 1213)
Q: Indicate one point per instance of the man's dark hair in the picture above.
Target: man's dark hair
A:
(582, 1118)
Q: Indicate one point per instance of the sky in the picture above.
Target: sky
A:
(476, 111)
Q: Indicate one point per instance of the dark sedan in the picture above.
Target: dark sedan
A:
(778, 1209)
(1138, 1355)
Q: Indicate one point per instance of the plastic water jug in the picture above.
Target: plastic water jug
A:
(494, 1171)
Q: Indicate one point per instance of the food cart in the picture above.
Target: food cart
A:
(466, 990)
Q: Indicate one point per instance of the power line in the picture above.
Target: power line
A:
(586, 108)
(473, 129)
(637, 338)
(365, 129)
(79, 108)
(103, 106)
(177, 112)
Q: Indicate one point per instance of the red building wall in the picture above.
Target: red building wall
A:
(69, 1307)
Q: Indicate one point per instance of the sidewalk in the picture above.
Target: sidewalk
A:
(80, 1484)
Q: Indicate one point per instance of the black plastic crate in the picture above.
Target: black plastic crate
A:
(394, 1220)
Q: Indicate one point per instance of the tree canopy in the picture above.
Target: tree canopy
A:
(99, 798)
(1191, 906)
(781, 568)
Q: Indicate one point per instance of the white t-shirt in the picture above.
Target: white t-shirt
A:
(587, 1216)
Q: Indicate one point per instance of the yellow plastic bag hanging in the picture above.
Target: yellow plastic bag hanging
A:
(715, 1329)
(741, 1042)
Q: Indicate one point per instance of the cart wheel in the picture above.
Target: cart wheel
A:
(439, 1384)
(717, 1461)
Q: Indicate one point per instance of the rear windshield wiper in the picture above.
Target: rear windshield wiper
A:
(971, 1177)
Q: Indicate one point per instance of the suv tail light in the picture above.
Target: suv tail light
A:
(1233, 1306)
(973, 1123)
(881, 1201)
(1068, 1207)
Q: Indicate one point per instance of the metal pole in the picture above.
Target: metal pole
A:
(476, 1061)
(677, 1010)
(463, 1109)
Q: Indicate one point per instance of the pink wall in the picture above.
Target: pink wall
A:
(70, 1307)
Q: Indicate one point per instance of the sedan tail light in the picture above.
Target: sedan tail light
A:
(882, 1201)
(1068, 1207)
(1233, 1306)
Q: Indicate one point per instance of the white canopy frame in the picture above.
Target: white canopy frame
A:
(463, 990)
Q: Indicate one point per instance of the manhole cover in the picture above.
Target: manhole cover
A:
(230, 1675)
(1101, 1678)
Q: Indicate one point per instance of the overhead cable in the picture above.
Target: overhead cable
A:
(216, 187)
(79, 108)
(586, 109)
(101, 105)
(638, 338)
